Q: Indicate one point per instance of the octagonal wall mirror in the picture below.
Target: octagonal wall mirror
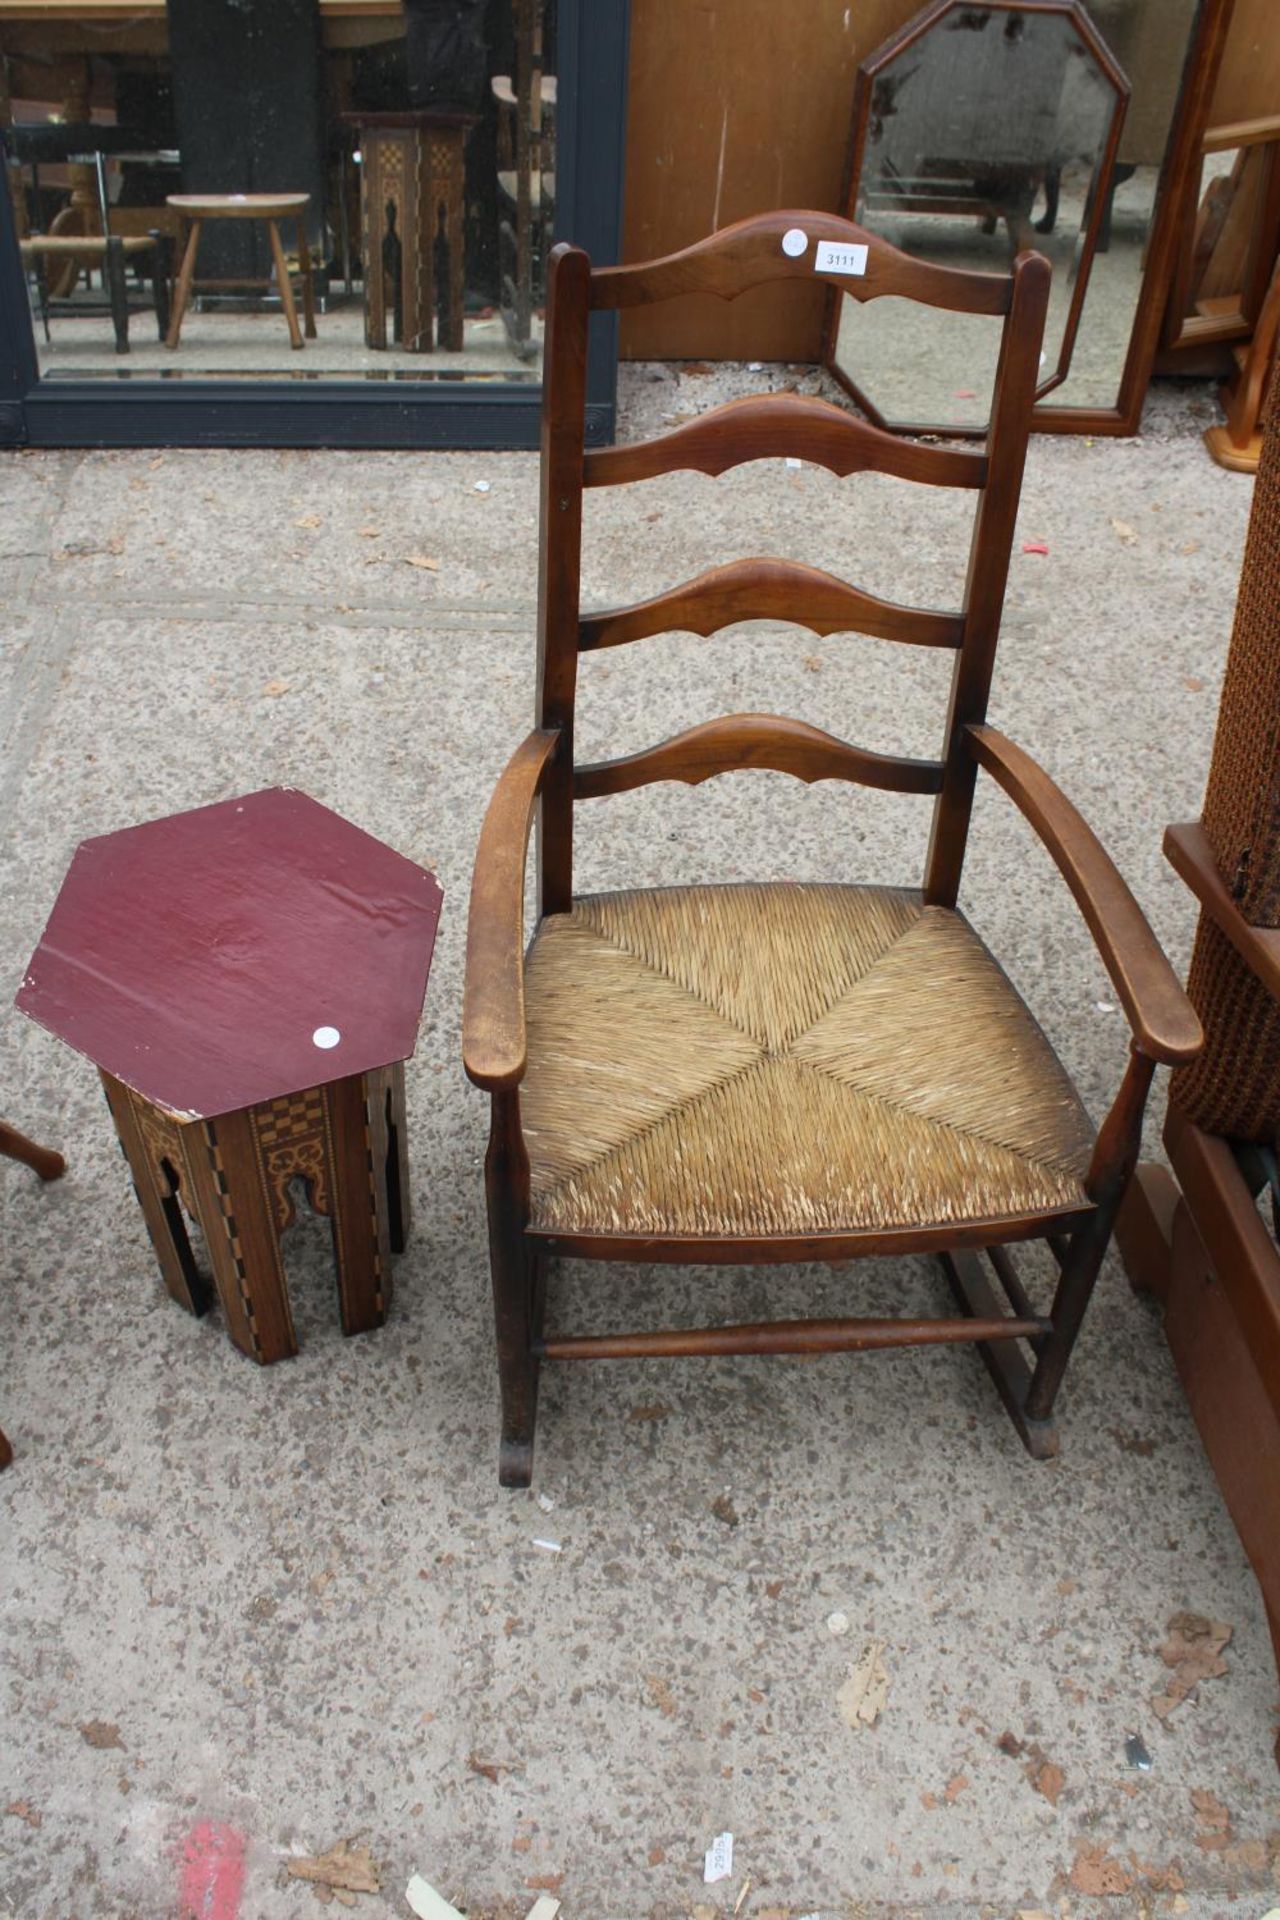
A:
(978, 131)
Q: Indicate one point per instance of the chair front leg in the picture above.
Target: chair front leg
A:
(515, 1287)
(1114, 1158)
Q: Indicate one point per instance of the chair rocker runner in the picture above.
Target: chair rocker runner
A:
(782, 1073)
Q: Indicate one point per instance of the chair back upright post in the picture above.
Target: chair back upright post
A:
(1017, 374)
(564, 398)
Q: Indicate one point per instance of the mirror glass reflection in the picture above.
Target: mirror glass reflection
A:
(990, 131)
(282, 188)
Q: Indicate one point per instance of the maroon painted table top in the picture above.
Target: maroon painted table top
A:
(236, 953)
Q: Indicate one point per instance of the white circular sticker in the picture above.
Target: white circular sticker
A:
(326, 1037)
(794, 242)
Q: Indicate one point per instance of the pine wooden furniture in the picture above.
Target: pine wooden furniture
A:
(764, 1074)
(248, 978)
(1237, 443)
(269, 208)
(413, 187)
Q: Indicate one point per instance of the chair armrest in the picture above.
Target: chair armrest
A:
(1162, 1019)
(493, 1040)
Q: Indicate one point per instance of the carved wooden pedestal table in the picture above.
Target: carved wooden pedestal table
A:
(412, 187)
(248, 978)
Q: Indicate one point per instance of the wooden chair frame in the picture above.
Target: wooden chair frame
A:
(543, 778)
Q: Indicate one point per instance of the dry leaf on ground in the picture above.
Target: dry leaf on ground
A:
(1194, 1651)
(1213, 1820)
(308, 520)
(345, 1868)
(1047, 1779)
(660, 1694)
(1124, 532)
(101, 1733)
(1161, 1879)
(1095, 1872)
(865, 1694)
(423, 561)
(274, 688)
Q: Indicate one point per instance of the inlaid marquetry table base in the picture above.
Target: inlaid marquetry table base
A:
(413, 187)
(346, 1142)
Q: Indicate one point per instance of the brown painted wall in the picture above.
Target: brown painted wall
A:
(736, 108)
(740, 106)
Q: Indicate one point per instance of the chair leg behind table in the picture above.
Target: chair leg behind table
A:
(113, 272)
(50, 1166)
(42, 294)
(42, 1160)
(186, 276)
(455, 242)
(284, 283)
(161, 265)
(308, 288)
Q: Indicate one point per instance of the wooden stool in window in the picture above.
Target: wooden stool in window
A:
(270, 208)
(776, 1072)
(248, 978)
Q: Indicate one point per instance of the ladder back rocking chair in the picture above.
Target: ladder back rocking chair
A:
(779, 1073)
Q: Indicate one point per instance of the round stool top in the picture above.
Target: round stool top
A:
(238, 206)
(237, 953)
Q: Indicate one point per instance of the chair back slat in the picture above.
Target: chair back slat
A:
(760, 249)
(770, 247)
(781, 590)
(762, 740)
(773, 425)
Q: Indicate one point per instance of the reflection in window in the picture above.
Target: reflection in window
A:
(325, 188)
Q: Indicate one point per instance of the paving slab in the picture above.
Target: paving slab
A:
(249, 1613)
(329, 529)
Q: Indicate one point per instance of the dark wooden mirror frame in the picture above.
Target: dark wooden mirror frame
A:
(1177, 179)
(301, 411)
(871, 70)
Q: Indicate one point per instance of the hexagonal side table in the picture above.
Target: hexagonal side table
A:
(209, 964)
